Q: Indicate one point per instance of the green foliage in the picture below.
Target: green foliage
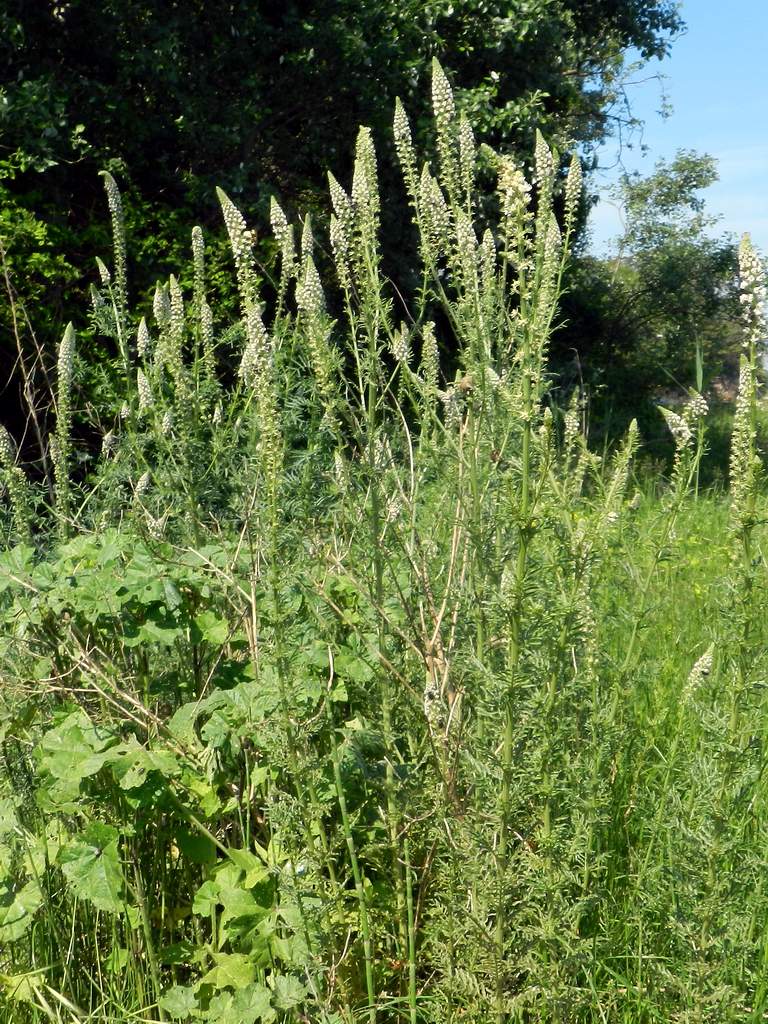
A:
(664, 311)
(341, 688)
(175, 101)
(182, 92)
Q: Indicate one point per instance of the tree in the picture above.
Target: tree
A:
(271, 93)
(641, 321)
(178, 96)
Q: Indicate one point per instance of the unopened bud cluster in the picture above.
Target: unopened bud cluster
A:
(752, 273)
(404, 140)
(108, 443)
(241, 242)
(466, 158)
(466, 246)
(281, 229)
(307, 239)
(309, 294)
(442, 95)
(430, 362)
(12, 476)
(697, 408)
(515, 199)
(452, 406)
(678, 427)
(104, 274)
(198, 264)
(144, 390)
(143, 340)
(115, 204)
(698, 674)
(66, 357)
(401, 348)
(161, 307)
(283, 233)
(744, 460)
(543, 162)
(257, 349)
(436, 216)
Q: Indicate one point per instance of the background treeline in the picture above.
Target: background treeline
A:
(260, 98)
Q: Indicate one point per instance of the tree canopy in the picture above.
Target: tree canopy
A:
(663, 313)
(174, 98)
(268, 95)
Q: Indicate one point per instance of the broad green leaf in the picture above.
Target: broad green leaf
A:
(216, 730)
(74, 750)
(7, 815)
(209, 800)
(17, 909)
(111, 547)
(163, 632)
(254, 867)
(131, 764)
(141, 582)
(173, 598)
(228, 875)
(220, 1009)
(289, 992)
(91, 864)
(43, 849)
(6, 859)
(248, 1005)
(15, 566)
(182, 722)
(232, 970)
(206, 899)
(20, 988)
(253, 1004)
(178, 1001)
(196, 848)
(117, 960)
(241, 911)
(339, 693)
(213, 629)
(177, 953)
(350, 665)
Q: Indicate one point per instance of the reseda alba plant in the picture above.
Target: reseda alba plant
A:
(317, 707)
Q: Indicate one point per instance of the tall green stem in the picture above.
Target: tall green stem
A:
(357, 875)
(513, 661)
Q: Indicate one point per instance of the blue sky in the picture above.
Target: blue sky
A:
(718, 88)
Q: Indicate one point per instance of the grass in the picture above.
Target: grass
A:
(337, 690)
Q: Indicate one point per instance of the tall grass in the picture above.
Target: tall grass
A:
(339, 690)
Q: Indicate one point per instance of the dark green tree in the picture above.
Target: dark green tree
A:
(175, 97)
(269, 94)
(665, 309)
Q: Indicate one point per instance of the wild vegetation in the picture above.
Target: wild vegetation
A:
(349, 687)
